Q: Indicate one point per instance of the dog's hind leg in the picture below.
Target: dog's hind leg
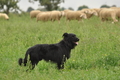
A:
(59, 65)
(33, 64)
(62, 66)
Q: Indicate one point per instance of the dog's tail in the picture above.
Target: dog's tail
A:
(23, 61)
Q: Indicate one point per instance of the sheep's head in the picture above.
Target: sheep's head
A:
(6, 17)
(83, 16)
(95, 13)
(89, 12)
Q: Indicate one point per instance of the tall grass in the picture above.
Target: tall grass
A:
(96, 57)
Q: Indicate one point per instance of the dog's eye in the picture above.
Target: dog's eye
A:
(73, 36)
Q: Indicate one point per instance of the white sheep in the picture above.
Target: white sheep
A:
(86, 11)
(98, 10)
(117, 9)
(5, 16)
(75, 15)
(89, 12)
(65, 11)
(34, 13)
(92, 13)
(43, 16)
(56, 15)
(105, 14)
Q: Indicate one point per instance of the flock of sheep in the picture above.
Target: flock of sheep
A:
(104, 14)
(57, 15)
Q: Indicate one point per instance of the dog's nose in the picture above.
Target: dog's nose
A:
(77, 39)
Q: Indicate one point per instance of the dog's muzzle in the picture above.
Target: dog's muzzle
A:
(76, 42)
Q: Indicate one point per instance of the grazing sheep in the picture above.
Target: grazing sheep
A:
(105, 14)
(75, 15)
(55, 15)
(117, 9)
(86, 11)
(92, 12)
(118, 12)
(89, 12)
(65, 12)
(34, 13)
(98, 10)
(80, 15)
(5, 16)
(43, 16)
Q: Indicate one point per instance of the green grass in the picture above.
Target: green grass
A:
(97, 57)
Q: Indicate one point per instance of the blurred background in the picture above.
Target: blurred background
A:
(19, 6)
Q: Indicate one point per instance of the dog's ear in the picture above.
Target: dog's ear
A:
(65, 34)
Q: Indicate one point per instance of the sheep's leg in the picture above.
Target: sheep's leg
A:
(78, 21)
(59, 21)
(114, 20)
(53, 20)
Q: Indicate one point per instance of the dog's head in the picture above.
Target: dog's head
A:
(71, 39)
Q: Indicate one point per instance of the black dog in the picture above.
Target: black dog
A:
(57, 53)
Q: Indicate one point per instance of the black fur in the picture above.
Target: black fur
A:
(57, 53)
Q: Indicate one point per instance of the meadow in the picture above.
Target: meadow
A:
(97, 56)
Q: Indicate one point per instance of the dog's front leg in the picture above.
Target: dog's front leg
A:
(60, 65)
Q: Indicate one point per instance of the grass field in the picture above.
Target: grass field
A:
(97, 57)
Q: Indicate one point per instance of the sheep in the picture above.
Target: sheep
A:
(5, 16)
(55, 15)
(80, 15)
(98, 10)
(86, 11)
(118, 12)
(117, 9)
(65, 12)
(89, 12)
(105, 14)
(75, 15)
(43, 16)
(34, 13)
(93, 12)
